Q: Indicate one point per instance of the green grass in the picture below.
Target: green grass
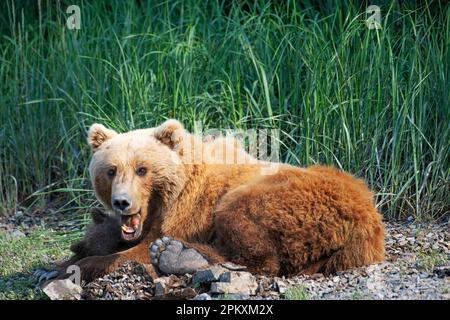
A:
(428, 259)
(373, 102)
(297, 293)
(20, 257)
(356, 295)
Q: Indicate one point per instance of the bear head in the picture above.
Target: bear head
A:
(137, 172)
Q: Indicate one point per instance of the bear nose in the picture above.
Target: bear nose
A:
(121, 203)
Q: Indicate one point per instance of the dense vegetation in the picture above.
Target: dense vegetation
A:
(375, 102)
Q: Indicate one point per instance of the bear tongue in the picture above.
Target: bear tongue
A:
(136, 220)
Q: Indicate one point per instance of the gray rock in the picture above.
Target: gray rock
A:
(161, 286)
(62, 290)
(15, 235)
(208, 275)
(442, 272)
(203, 296)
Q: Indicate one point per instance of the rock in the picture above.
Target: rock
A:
(173, 286)
(62, 290)
(281, 286)
(238, 282)
(317, 276)
(233, 267)
(208, 275)
(161, 286)
(442, 272)
(16, 234)
(203, 296)
(184, 293)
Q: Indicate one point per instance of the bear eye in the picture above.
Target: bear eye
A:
(141, 171)
(112, 172)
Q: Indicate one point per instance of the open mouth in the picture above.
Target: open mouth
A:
(131, 226)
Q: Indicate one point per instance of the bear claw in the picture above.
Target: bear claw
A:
(166, 240)
(42, 275)
(172, 257)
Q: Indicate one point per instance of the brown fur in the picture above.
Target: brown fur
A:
(294, 221)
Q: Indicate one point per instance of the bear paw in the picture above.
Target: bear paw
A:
(172, 257)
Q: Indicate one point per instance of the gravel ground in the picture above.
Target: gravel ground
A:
(417, 266)
(28, 222)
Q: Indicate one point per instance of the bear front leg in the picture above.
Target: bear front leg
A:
(96, 266)
(44, 275)
(171, 256)
(90, 268)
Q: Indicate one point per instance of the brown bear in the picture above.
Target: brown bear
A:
(183, 207)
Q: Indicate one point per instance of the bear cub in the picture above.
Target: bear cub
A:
(102, 236)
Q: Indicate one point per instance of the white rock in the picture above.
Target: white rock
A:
(232, 266)
(234, 282)
(62, 290)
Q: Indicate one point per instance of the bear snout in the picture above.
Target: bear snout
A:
(121, 203)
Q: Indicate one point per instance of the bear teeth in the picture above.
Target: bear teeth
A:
(127, 229)
(130, 224)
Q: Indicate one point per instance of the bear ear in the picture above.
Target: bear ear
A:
(170, 133)
(98, 134)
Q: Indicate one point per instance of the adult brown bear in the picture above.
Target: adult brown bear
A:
(167, 183)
